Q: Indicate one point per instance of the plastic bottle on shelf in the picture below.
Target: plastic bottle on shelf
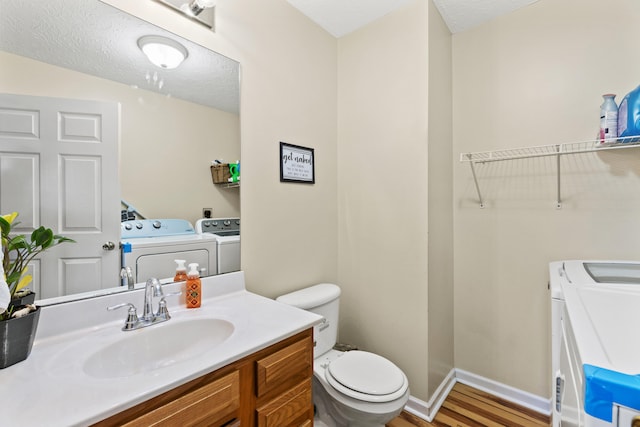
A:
(193, 287)
(181, 271)
(608, 120)
(629, 115)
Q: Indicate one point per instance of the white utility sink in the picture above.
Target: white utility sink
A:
(155, 347)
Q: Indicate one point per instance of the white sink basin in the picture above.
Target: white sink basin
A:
(157, 346)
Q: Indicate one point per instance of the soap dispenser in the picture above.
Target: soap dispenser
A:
(181, 271)
(193, 287)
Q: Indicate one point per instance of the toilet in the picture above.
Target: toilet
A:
(352, 388)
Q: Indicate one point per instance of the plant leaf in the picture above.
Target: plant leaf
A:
(5, 226)
(26, 279)
(42, 237)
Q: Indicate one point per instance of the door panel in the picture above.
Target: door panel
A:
(58, 168)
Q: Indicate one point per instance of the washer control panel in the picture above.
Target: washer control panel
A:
(219, 226)
(155, 227)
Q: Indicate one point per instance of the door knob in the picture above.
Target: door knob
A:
(109, 246)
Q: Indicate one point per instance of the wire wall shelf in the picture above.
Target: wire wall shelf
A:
(557, 150)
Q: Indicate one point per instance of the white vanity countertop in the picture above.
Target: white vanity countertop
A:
(51, 388)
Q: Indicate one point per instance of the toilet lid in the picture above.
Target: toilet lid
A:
(366, 376)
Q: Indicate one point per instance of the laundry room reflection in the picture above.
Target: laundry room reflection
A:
(168, 135)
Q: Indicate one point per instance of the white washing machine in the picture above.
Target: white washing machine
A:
(150, 247)
(595, 343)
(227, 235)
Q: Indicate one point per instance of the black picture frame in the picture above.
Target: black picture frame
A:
(297, 164)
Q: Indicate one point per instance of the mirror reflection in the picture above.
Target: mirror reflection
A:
(158, 129)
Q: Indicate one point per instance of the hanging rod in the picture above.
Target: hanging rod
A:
(543, 151)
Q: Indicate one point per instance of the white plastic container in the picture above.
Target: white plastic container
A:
(608, 120)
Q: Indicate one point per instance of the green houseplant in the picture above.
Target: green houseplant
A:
(18, 324)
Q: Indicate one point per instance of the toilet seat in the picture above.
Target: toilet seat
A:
(366, 376)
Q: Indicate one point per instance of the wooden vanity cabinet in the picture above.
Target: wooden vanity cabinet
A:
(283, 386)
(270, 388)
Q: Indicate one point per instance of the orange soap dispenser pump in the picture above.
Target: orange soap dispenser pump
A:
(194, 287)
(181, 271)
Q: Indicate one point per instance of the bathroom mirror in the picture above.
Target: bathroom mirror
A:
(173, 122)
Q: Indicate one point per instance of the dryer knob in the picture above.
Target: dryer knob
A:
(156, 224)
(227, 223)
(128, 227)
(139, 225)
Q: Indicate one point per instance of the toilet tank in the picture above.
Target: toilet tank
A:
(322, 299)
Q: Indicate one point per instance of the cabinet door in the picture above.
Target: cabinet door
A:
(213, 404)
(291, 409)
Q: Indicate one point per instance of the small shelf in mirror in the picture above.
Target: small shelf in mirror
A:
(230, 185)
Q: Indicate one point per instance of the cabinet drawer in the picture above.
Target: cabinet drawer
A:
(284, 368)
(212, 404)
(291, 409)
(287, 367)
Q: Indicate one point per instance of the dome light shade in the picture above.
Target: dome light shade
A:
(163, 52)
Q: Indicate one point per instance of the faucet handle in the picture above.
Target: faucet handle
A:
(163, 312)
(132, 315)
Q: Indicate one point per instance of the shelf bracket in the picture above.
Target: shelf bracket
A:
(475, 179)
(559, 199)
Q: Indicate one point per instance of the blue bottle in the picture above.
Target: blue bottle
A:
(629, 116)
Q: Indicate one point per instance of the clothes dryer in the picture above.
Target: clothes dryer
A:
(227, 235)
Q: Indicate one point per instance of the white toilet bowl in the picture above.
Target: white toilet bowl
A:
(353, 388)
(357, 389)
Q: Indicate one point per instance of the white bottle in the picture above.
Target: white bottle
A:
(181, 271)
(608, 120)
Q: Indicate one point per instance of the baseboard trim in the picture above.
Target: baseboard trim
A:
(512, 394)
(428, 410)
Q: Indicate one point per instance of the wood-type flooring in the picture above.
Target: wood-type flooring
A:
(468, 407)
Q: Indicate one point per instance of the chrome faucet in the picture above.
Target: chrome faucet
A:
(127, 277)
(153, 288)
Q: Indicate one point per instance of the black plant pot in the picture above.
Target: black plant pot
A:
(16, 338)
(24, 300)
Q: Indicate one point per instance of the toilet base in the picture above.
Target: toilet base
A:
(330, 413)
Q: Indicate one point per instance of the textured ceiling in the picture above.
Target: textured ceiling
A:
(97, 39)
(340, 17)
(94, 38)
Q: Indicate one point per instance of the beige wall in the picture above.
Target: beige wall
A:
(383, 210)
(159, 173)
(440, 225)
(535, 77)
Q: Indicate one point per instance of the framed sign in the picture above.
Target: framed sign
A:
(296, 164)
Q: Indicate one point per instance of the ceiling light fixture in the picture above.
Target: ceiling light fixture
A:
(162, 51)
(195, 7)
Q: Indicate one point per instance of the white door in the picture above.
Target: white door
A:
(59, 169)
